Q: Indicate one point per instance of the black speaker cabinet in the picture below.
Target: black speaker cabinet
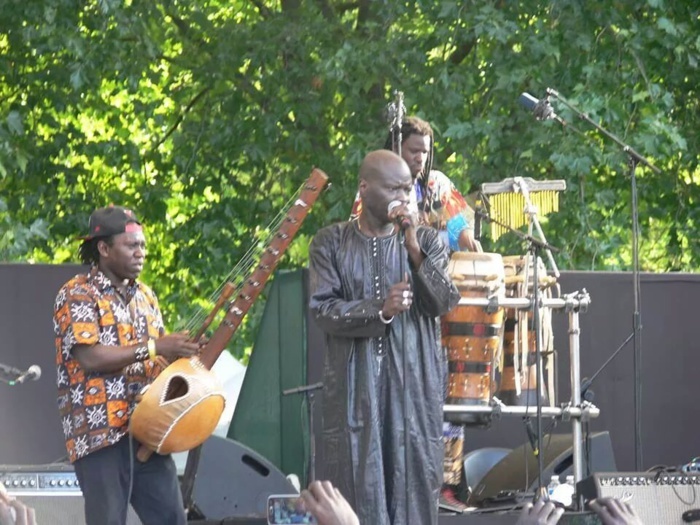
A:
(235, 481)
(53, 492)
(658, 497)
(518, 470)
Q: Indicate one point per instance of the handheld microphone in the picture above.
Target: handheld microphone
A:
(32, 373)
(402, 221)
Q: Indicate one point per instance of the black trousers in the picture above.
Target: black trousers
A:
(105, 475)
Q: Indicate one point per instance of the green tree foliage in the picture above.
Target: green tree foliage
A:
(207, 116)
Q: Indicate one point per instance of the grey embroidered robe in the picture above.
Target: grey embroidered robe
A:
(365, 398)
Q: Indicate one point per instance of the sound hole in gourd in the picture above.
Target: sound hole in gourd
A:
(176, 388)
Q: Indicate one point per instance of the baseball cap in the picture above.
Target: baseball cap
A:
(112, 220)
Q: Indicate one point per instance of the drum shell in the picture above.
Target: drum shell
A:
(472, 336)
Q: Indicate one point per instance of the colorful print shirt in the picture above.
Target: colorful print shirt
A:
(95, 406)
(442, 207)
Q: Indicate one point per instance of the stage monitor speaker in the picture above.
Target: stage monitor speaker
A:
(657, 497)
(518, 470)
(52, 491)
(235, 481)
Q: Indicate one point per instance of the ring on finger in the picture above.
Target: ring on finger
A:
(405, 301)
(405, 294)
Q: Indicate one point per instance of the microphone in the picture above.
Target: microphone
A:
(691, 515)
(403, 222)
(32, 373)
(542, 109)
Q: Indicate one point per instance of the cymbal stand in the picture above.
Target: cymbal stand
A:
(520, 186)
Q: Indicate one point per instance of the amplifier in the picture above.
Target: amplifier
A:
(658, 497)
(52, 490)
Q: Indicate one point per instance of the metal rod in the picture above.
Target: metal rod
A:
(586, 411)
(525, 302)
(534, 250)
(576, 435)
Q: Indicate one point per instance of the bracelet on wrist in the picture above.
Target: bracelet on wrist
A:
(141, 353)
(384, 319)
(151, 345)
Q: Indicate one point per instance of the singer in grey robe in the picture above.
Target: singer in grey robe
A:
(378, 284)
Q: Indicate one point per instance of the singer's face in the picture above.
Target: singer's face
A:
(394, 183)
(414, 151)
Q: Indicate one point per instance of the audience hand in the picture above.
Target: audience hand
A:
(541, 513)
(612, 511)
(23, 515)
(328, 505)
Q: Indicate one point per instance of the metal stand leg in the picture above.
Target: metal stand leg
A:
(575, 358)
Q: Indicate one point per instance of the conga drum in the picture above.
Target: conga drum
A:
(472, 336)
(518, 383)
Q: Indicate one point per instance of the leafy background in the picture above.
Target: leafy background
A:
(205, 116)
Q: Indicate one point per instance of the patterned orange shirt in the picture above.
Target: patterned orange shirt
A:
(95, 406)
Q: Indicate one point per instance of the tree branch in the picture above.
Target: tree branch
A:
(181, 116)
(462, 52)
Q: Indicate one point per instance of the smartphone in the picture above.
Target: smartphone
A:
(287, 508)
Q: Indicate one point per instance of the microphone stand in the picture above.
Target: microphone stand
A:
(633, 159)
(396, 112)
(9, 374)
(535, 247)
(404, 361)
(309, 391)
(586, 383)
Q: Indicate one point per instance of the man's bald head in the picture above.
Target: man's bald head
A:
(384, 177)
(378, 164)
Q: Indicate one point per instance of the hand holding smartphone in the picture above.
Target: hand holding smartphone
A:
(287, 508)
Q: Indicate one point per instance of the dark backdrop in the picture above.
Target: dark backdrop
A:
(30, 429)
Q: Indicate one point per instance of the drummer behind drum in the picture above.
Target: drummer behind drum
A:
(441, 206)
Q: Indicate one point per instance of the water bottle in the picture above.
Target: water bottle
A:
(564, 493)
(553, 484)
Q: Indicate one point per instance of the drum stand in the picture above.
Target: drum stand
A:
(575, 410)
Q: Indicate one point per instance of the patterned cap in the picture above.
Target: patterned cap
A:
(112, 220)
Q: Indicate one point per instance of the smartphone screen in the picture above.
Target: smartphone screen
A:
(287, 508)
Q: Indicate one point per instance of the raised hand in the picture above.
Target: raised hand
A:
(328, 505)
